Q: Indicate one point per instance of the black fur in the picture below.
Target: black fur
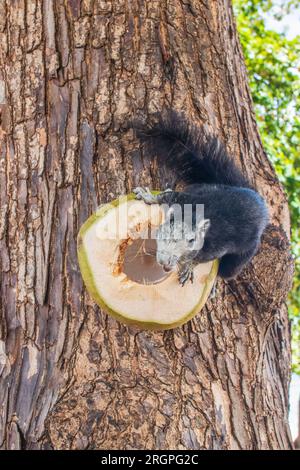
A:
(238, 214)
(183, 147)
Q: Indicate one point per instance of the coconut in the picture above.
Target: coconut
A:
(116, 252)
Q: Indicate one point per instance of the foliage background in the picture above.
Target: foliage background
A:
(273, 62)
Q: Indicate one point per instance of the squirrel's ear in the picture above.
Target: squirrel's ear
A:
(203, 225)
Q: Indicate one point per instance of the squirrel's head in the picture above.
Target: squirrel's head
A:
(178, 241)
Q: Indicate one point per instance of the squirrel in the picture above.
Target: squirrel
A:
(235, 214)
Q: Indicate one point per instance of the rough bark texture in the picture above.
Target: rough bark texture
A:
(72, 74)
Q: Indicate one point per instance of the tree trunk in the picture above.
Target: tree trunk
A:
(71, 76)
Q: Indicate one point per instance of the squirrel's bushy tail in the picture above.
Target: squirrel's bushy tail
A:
(184, 148)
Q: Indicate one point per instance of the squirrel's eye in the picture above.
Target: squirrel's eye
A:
(191, 241)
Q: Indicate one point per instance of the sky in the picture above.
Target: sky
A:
(289, 24)
(294, 404)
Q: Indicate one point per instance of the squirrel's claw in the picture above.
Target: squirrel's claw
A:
(213, 291)
(185, 275)
(145, 195)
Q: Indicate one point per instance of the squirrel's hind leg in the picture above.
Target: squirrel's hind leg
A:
(232, 264)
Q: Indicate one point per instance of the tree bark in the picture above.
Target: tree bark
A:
(72, 74)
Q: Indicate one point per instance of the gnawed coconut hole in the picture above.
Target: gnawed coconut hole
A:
(139, 262)
(137, 257)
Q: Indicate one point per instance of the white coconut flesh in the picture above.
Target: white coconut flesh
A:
(119, 267)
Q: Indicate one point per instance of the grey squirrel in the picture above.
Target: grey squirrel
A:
(235, 214)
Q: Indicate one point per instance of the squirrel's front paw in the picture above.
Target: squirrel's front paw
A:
(145, 195)
(185, 274)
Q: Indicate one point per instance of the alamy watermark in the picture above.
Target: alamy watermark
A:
(178, 221)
